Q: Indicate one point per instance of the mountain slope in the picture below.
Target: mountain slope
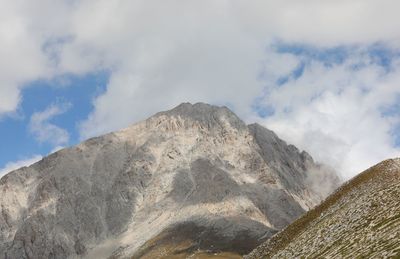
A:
(359, 220)
(196, 171)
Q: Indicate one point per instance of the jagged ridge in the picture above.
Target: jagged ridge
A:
(195, 165)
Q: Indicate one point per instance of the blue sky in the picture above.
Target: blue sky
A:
(331, 89)
(17, 141)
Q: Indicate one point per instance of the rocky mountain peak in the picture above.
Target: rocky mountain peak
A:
(199, 110)
(196, 172)
(207, 115)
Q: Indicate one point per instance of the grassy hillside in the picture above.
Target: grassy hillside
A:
(361, 219)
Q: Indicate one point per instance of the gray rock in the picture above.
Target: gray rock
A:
(194, 167)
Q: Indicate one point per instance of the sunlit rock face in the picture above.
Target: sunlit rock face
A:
(195, 179)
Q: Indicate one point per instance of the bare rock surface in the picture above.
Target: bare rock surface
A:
(196, 172)
(359, 220)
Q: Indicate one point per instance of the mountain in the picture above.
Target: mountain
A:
(195, 180)
(359, 220)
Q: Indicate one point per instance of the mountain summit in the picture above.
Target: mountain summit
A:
(192, 180)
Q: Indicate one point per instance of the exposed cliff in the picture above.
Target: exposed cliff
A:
(195, 179)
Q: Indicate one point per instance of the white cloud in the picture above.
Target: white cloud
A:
(205, 50)
(45, 131)
(323, 23)
(11, 166)
(30, 36)
(21, 50)
(161, 53)
(210, 51)
(335, 112)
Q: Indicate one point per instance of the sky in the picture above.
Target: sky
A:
(324, 75)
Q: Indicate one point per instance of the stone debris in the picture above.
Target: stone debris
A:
(363, 221)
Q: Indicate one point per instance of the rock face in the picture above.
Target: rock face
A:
(359, 220)
(191, 180)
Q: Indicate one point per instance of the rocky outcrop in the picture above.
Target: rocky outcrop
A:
(359, 220)
(196, 172)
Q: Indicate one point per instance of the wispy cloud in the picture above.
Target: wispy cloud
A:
(43, 130)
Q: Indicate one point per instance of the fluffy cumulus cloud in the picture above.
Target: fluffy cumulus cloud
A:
(208, 51)
(24, 31)
(44, 130)
(340, 112)
(161, 53)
